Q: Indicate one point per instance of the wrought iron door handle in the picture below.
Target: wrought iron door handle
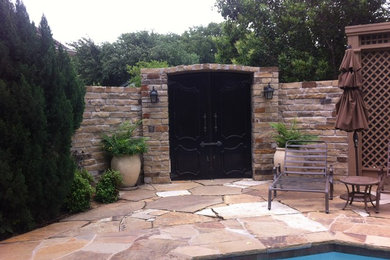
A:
(204, 123)
(215, 122)
(218, 143)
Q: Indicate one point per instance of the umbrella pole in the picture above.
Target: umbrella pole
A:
(355, 141)
(355, 144)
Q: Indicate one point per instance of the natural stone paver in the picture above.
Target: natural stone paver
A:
(243, 245)
(207, 212)
(179, 232)
(378, 241)
(251, 209)
(85, 255)
(215, 190)
(173, 193)
(188, 252)
(241, 198)
(190, 203)
(131, 223)
(121, 208)
(137, 195)
(147, 213)
(268, 227)
(176, 186)
(18, 250)
(299, 221)
(98, 227)
(246, 183)
(276, 242)
(48, 231)
(214, 182)
(106, 248)
(219, 236)
(150, 249)
(57, 247)
(144, 226)
(179, 218)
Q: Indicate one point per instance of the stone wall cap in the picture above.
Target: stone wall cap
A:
(208, 67)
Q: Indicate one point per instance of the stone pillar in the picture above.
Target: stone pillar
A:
(156, 126)
(263, 112)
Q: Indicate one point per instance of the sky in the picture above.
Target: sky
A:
(106, 20)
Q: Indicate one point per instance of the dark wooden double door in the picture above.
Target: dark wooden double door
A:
(210, 125)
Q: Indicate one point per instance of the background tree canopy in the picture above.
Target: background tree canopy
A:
(106, 64)
(304, 38)
(41, 105)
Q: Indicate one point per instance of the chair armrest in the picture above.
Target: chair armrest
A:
(381, 177)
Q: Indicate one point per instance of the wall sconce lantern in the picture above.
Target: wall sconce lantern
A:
(153, 96)
(268, 92)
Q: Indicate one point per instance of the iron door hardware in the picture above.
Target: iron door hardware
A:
(204, 123)
(218, 143)
(215, 122)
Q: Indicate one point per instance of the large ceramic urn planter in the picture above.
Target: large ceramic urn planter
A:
(279, 157)
(129, 167)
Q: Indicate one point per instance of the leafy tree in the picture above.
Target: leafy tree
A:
(170, 48)
(41, 105)
(200, 40)
(304, 38)
(88, 61)
(106, 64)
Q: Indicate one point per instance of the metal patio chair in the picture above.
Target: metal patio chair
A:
(305, 170)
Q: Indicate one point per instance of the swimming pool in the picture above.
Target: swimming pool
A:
(328, 251)
(335, 256)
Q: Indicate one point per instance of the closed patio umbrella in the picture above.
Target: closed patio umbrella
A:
(351, 112)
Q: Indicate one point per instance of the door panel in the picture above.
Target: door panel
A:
(210, 125)
(187, 125)
(232, 104)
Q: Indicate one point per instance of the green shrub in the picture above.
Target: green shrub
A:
(107, 187)
(79, 198)
(86, 175)
(284, 134)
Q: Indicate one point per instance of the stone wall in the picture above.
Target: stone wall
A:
(312, 104)
(105, 109)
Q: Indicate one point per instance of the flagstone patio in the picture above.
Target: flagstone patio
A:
(203, 219)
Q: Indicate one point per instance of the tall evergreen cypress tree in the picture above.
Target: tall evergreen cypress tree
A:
(41, 105)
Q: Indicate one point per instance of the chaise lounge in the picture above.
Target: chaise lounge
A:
(305, 170)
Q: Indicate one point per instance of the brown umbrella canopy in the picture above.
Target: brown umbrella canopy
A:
(351, 112)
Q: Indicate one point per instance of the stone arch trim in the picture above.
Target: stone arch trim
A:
(156, 123)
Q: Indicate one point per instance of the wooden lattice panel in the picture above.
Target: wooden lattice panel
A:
(378, 38)
(376, 88)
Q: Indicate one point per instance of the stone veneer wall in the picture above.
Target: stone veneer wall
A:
(105, 109)
(311, 103)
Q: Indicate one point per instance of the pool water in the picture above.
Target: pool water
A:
(335, 256)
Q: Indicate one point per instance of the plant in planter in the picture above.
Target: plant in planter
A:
(125, 151)
(282, 134)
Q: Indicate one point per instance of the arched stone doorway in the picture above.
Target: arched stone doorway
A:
(255, 146)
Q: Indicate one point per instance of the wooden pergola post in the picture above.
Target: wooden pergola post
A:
(371, 42)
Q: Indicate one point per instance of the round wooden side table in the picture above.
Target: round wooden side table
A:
(360, 181)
